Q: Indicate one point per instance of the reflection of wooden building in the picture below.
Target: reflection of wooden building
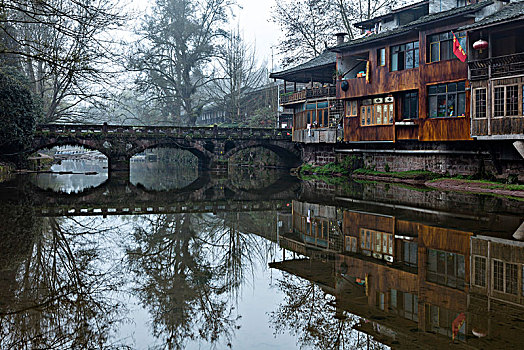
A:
(498, 269)
(316, 226)
(405, 275)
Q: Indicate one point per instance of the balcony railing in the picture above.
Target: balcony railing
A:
(497, 67)
(317, 92)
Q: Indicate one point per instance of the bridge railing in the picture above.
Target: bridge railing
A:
(178, 132)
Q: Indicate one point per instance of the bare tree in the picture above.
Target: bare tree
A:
(178, 41)
(63, 46)
(237, 73)
(309, 25)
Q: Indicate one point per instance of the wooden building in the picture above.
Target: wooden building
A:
(312, 97)
(414, 87)
(496, 73)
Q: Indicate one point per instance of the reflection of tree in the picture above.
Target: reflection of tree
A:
(178, 282)
(190, 268)
(310, 314)
(58, 297)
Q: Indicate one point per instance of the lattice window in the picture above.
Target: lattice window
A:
(512, 100)
(498, 276)
(480, 271)
(480, 103)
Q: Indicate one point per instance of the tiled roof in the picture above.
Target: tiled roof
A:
(326, 58)
(509, 12)
(392, 12)
(417, 23)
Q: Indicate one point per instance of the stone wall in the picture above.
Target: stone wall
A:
(318, 154)
(482, 159)
(447, 164)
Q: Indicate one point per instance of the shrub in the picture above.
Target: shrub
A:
(18, 113)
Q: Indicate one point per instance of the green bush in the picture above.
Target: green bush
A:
(18, 113)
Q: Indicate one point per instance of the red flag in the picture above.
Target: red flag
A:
(458, 50)
(457, 324)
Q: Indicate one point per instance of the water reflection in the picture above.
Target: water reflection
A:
(163, 169)
(355, 267)
(409, 281)
(72, 176)
(189, 270)
(54, 292)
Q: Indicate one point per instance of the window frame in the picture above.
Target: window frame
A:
(519, 87)
(386, 111)
(476, 260)
(457, 93)
(504, 278)
(402, 48)
(445, 277)
(461, 36)
(381, 57)
(475, 103)
(351, 108)
(404, 102)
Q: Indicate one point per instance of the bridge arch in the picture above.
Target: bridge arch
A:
(92, 146)
(288, 157)
(198, 149)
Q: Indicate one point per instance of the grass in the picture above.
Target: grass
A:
(489, 184)
(328, 169)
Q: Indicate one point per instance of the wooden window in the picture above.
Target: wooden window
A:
(405, 56)
(498, 104)
(498, 276)
(351, 244)
(439, 320)
(411, 306)
(446, 268)
(440, 46)
(447, 100)
(376, 243)
(351, 108)
(479, 267)
(377, 114)
(480, 103)
(409, 105)
(505, 277)
(512, 100)
(381, 57)
(410, 253)
(511, 280)
(506, 101)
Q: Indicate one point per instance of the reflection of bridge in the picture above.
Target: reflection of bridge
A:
(211, 145)
(122, 198)
(176, 208)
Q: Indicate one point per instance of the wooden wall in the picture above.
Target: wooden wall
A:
(384, 83)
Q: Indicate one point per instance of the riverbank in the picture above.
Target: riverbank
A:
(417, 177)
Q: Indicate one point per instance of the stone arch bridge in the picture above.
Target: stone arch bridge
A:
(212, 146)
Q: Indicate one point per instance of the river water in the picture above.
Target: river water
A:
(169, 257)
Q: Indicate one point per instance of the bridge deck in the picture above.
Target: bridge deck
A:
(201, 132)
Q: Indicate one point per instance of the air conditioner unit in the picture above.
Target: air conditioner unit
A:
(388, 258)
(378, 100)
(389, 99)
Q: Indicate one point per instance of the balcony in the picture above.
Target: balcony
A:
(497, 67)
(308, 93)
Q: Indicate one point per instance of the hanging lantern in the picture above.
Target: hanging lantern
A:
(480, 45)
